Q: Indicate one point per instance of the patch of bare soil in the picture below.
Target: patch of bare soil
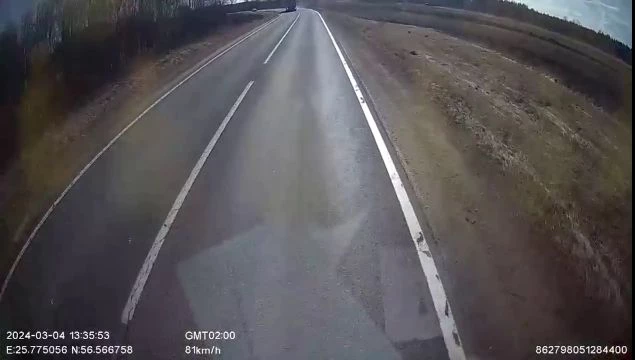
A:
(43, 170)
(525, 183)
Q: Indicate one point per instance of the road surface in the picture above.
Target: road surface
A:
(287, 233)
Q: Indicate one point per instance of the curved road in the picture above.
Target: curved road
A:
(288, 230)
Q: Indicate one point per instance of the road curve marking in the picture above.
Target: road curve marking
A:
(146, 268)
(280, 41)
(441, 304)
(100, 153)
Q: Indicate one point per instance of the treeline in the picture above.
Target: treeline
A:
(523, 13)
(256, 4)
(64, 50)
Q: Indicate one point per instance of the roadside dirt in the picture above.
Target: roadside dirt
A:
(526, 186)
(33, 181)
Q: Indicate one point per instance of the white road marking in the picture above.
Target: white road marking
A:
(144, 273)
(441, 304)
(280, 41)
(99, 154)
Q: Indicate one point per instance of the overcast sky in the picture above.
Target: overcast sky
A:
(612, 17)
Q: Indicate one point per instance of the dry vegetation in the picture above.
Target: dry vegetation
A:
(519, 150)
(63, 51)
(604, 78)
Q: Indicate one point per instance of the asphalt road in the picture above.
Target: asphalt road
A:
(291, 236)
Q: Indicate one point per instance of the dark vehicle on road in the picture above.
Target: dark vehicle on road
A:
(290, 4)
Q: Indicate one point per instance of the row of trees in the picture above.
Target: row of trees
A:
(65, 49)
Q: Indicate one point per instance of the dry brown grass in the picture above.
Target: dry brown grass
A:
(583, 68)
(569, 146)
(549, 168)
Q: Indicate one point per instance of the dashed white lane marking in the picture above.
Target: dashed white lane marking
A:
(281, 39)
(146, 268)
(99, 154)
(444, 314)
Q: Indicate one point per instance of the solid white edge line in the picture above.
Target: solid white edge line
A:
(280, 41)
(146, 268)
(5, 284)
(441, 303)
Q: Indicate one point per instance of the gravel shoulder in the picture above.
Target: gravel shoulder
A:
(34, 180)
(525, 183)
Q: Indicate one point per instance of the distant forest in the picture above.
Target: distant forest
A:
(523, 13)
